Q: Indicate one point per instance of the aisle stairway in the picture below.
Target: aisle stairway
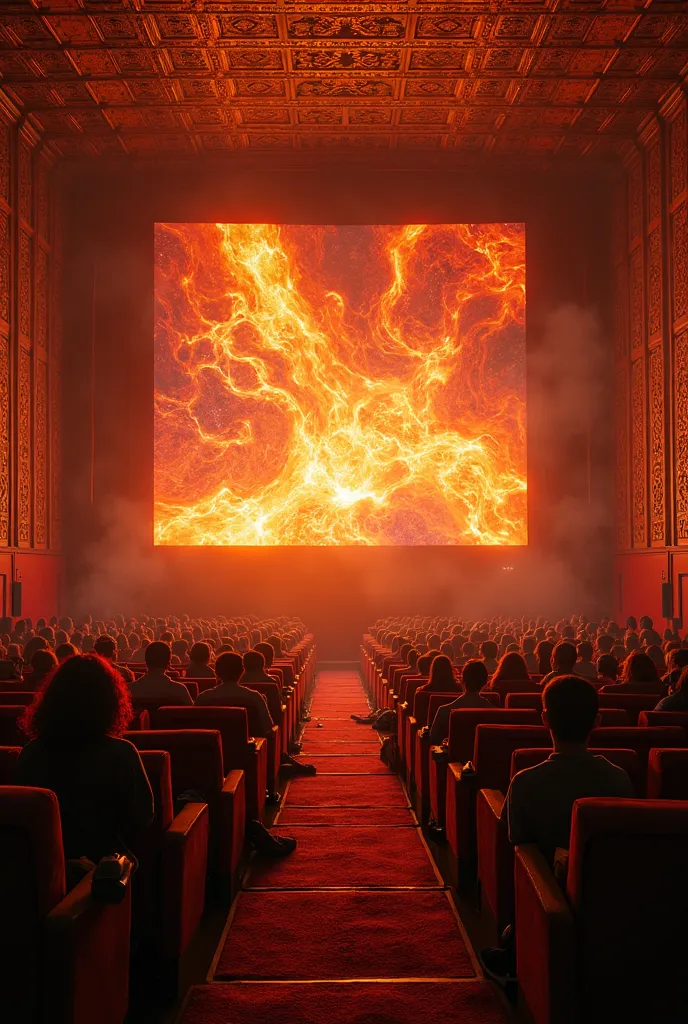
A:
(355, 927)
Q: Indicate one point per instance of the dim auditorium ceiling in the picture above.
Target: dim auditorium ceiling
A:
(152, 78)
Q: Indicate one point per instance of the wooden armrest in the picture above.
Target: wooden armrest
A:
(494, 798)
(184, 822)
(539, 874)
(440, 755)
(259, 743)
(233, 781)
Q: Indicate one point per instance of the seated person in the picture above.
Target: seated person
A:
(607, 670)
(43, 662)
(442, 679)
(564, 658)
(199, 662)
(230, 694)
(76, 749)
(677, 660)
(529, 655)
(512, 670)
(539, 802)
(584, 666)
(648, 634)
(639, 675)
(156, 684)
(678, 695)
(254, 670)
(106, 647)
(473, 677)
(64, 651)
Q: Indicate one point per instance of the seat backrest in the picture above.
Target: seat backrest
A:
(667, 774)
(231, 723)
(271, 692)
(10, 733)
(140, 719)
(196, 756)
(664, 718)
(16, 697)
(626, 759)
(158, 765)
(628, 888)
(421, 705)
(409, 686)
(524, 700)
(633, 703)
(463, 723)
(8, 761)
(507, 686)
(32, 883)
(614, 716)
(494, 745)
(638, 738)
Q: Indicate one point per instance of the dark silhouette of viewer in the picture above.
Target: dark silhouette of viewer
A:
(564, 657)
(199, 662)
(442, 678)
(230, 694)
(473, 677)
(677, 700)
(156, 684)
(75, 725)
(639, 675)
(254, 669)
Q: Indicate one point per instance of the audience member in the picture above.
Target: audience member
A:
(442, 678)
(564, 658)
(199, 662)
(75, 726)
(42, 664)
(230, 693)
(474, 677)
(156, 684)
(584, 666)
(512, 669)
(639, 675)
(106, 647)
(64, 651)
(677, 700)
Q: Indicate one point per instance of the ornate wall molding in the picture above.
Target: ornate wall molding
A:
(638, 453)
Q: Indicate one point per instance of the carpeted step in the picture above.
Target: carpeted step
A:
(381, 816)
(346, 791)
(345, 857)
(314, 935)
(334, 746)
(364, 764)
(452, 1002)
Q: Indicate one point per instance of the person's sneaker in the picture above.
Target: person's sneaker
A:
(499, 964)
(291, 766)
(283, 846)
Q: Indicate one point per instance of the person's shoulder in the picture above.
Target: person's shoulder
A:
(613, 773)
(528, 778)
(206, 696)
(118, 746)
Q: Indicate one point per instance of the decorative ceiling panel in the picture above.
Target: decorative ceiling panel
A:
(153, 77)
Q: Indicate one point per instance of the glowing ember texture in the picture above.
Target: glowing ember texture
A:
(340, 385)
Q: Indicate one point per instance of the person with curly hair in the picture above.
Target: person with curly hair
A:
(75, 725)
(639, 675)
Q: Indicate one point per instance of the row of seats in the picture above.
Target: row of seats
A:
(622, 892)
(209, 776)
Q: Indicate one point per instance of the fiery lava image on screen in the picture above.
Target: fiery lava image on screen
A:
(346, 385)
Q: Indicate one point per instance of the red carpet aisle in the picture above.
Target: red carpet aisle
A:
(356, 927)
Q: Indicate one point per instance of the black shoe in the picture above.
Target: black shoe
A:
(282, 847)
(265, 844)
(499, 964)
(299, 768)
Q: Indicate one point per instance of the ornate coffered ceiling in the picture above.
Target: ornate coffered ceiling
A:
(154, 77)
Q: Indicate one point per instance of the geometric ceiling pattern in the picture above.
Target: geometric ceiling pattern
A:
(155, 77)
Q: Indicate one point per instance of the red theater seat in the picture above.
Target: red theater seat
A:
(639, 739)
(494, 745)
(8, 761)
(679, 718)
(64, 957)
(614, 945)
(667, 774)
(17, 697)
(196, 765)
(495, 852)
(169, 886)
(418, 736)
(10, 733)
(633, 703)
(239, 749)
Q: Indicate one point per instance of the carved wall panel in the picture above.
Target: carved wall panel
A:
(5, 440)
(678, 142)
(656, 406)
(681, 434)
(638, 452)
(654, 282)
(40, 456)
(23, 427)
(621, 451)
(679, 261)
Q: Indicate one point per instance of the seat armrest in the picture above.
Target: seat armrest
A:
(495, 857)
(86, 959)
(545, 940)
(440, 755)
(184, 864)
(258, 744)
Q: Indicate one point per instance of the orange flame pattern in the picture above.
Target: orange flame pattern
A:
(340, 385)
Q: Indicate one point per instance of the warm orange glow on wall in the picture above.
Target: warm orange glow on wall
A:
(340, 385)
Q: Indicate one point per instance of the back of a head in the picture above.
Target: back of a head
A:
(447, 649)
(36, 643)
(268, 652)
(585, 650)
(511, 666)
(82, 700)
(571, 707)
(200, 653)
(682, 685)
(43, 662)
(468, 650)
(441, 671)
(64, 651)
(489, 649)
(276, 644)
(105, 646)
(474, 675)
(640, 668)
(158, 655)
(678, 658)
(229, 667)
(253, 661)
(424, 663)
(607, 666)
(529, 644)
(645, 622)
(564, 656)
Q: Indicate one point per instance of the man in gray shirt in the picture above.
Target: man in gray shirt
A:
(156, 684)
(228, 668)
(540, 800)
